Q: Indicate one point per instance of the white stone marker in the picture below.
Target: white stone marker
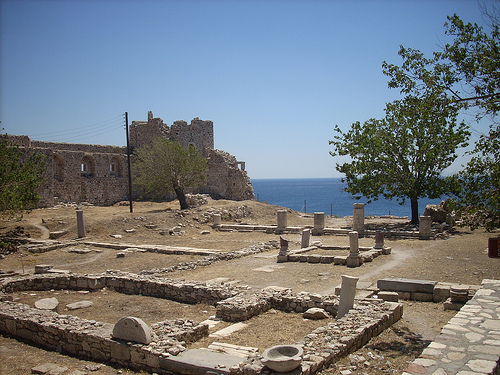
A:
(319, 223)
(306, 238)
(80, 224)
(347, 294)
(358, 217)
(132, 329)
(424, 226)
(282, 219)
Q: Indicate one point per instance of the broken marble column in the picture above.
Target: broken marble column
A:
(283, 254)
(217, 220)
(282, 219)
(354, 258)
(319, 223)
(424, 226)
(358, 217)
(306, 238)
(80, 224)
(347, 294)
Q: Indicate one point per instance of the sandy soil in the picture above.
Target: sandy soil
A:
(459, 258)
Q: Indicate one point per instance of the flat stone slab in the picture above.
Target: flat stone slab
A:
(236, 350)
(406, 285)
(200, 362)
(228, 330)
(79, 305)
(49, 368)
(50, 304)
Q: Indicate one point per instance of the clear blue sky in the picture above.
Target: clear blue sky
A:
(273, 76)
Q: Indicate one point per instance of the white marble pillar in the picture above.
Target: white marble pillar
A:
(306, 237)
(282, 219)
(424, 226)
(358, 217)
(319, 223)
(347, 294)
(354, 258)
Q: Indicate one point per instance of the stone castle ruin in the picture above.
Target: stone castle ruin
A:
(98, 174)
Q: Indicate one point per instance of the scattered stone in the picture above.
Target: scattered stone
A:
(50, 304)
(205, 232)
(79, 251)
(49, 368)
(130, 230)
(121, 254)
(315, 313)
(116, 236)
(42, 268)
(79, 305)
(57, 234)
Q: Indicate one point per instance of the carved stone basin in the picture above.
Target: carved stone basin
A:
(283, 358)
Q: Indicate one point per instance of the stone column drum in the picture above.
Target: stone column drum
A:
(347, 294)
(319, 223)
(80, 224)
(424, 226)
(282, 219)
(354, 258)
(217, 220)
(358, 217)
(306, 237)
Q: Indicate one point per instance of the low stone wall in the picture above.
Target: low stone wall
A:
(243, 307)
(127, 283)
(91, 339)
(327, 344)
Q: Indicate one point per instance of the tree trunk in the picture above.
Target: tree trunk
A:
(414, 211)
(181, 197)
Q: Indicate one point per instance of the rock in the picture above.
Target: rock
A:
(50, 304)
(205, 232)
(121, 254)
(315, 313)
(42, 268)
(438, 212)
(116, 236)
(79, 305)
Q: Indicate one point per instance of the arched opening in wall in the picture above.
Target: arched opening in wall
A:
(58, 168)
(115, 167)
(88, 166)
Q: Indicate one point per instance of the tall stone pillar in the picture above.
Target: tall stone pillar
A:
(306, 237)
(358, 217)
(424, 226)
(354, 258)
(319, 223)
(347, 294)
(282, 219)
(80, 224)
(217, 220)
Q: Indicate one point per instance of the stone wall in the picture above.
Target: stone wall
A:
(91, 339)
(79, 172)
(98, 174)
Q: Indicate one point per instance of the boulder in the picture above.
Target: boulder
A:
(315, 313)
(438, 212)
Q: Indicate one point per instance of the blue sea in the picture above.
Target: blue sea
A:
(326, 195)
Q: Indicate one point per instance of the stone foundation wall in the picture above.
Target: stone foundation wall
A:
(91, 339)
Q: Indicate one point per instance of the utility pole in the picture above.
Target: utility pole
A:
(128, 164)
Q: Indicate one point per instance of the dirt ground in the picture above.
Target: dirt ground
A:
(460, 257)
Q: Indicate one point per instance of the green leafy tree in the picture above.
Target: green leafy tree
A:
(165, 166)
(402, 155)
(20, 177)
(466, 72)
(478, 199)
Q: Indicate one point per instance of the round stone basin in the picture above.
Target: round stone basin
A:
(283, 358)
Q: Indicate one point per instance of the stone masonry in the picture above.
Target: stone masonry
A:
(98, 174)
